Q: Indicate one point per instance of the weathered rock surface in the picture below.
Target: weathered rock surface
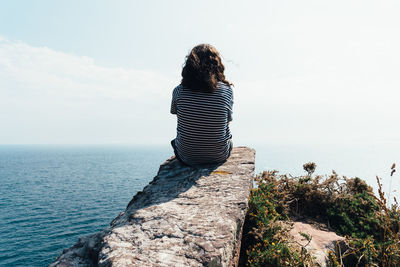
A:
(321, 241)
(184, 217)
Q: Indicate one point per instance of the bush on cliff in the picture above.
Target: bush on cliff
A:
(347, 206)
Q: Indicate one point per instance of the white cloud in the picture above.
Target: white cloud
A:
(48, 71)
(48, 96)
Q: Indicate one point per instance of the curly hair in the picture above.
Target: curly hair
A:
(203, 69)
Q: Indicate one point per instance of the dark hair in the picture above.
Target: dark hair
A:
(203, 69)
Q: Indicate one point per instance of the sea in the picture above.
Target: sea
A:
(52, 194)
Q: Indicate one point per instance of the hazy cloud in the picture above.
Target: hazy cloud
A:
(48, 96)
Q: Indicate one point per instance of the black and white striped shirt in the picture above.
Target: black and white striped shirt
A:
(203, 134)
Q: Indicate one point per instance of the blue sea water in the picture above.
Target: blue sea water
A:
(51, 195)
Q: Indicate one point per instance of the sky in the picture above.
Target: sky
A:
(102, 72)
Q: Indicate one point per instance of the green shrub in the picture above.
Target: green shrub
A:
(347, 206)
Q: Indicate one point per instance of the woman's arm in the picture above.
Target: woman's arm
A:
(230, 107)
(174, 99)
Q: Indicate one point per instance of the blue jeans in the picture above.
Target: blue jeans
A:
(178, 158)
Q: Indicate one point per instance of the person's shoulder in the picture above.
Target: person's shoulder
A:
(224, 85)
(225, 88)
(177, 89)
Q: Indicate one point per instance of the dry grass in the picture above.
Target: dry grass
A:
(347, 206)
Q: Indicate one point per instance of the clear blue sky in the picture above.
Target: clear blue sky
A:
(103, 71)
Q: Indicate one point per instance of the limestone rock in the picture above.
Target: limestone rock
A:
(185, 217)
(321, 241)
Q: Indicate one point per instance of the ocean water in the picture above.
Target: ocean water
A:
(51, 195)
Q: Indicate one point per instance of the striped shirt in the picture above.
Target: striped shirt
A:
(203, 134)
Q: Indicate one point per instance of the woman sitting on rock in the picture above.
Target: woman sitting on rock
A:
(203, 104)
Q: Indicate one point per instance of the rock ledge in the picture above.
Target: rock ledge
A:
(184, 217)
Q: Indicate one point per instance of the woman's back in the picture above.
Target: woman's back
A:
(203, 103)
(203, 134)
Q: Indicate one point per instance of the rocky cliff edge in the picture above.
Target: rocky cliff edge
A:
(185, 217)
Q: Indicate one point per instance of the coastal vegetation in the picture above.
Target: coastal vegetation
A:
(347, 206)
